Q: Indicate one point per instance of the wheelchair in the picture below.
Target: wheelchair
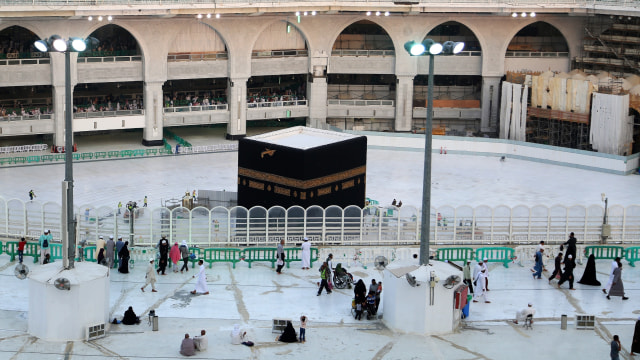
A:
(341, 278)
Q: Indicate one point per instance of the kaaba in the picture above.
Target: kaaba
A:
(302, 166)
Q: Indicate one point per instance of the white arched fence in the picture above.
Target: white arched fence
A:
(333, 225)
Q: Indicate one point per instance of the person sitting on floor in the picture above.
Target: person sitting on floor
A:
(289, 334)
(130, 317)
(188, 347)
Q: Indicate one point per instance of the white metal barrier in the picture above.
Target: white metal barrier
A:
(352, 226)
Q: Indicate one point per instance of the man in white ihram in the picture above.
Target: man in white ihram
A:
(306, 254)
(201, 283)
(481, 283)
(522, 314)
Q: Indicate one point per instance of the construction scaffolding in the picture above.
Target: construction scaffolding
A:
(611, 44)
(558, 128)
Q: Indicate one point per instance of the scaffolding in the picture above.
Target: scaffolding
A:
(558, 128)
(611, 44)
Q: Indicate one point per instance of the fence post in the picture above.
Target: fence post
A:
(510, 225)
(24, 216)
(624, 223)
(529, 226)
(455, 227)
(266, 226)
(549, 222)
(210, 225)
(566, 221)
(473, 225)
(342, 227)
(493, 215)
(286, 226)
(190, 217)
(229, 225)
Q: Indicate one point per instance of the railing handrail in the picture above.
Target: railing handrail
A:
(358, 102)
(536, 54)
(279, 53)
(197, 56)
(27, 117)
(175, 109)
(265, 104)
(350, 52)
(109, 59)
(100, 114)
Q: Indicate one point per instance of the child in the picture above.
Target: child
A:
(21, 246)
(47, 259)
(359, 311)
(303, 328)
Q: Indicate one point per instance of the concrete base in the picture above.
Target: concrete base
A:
(65, 315)
(235, 137)
(152, 142)
(420, 309)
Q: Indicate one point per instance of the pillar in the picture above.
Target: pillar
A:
(404, 103)
(317, 95)
(153, 114)
(58, 115)
(490, 102)
(237, 99)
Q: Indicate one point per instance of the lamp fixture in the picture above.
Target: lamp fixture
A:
(313, 13)
(524, 14)
(109, 18)
(306, 13)
(533, 14)
(297, 13)
(368, 13)
(90, 18)
(514, 15)
(377, 13)
(199, 16)
(100, 18)
(386, 13)
(217, 16)
(208, 16)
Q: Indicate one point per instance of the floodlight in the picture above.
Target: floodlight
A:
(217, 16)
(313, 13)
(514, 15)
(58, 43)
(533, 14)
(109, 18)
(386, 13)
(41, 45)
(77, 44)
(452, 48)
(432, 47)
(414, 48)
(90, 18)
(100, 18)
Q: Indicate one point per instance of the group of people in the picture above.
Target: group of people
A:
(289, 333)
(479, 279)
(369, 302)
(190, 345)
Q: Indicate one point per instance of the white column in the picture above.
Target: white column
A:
(317, 99)
(153, 115)
(404, 103)
(237, 91)
(490, 101)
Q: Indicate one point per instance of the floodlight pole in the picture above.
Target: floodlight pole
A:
(425, 228)
(68, 163)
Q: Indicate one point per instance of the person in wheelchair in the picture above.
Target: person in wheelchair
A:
(341, 278)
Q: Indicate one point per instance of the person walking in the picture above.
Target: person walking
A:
(164, 255)
(617, 287)
(538, 266)
(110, 248)
(201, 283)
(123, 257)
(485, 266)
(32, 194)
(571, 247)
(615, 348)
(150, 277)
(557, 270)
(569, 265)
(306, 254)
(466, 276)
(280, 257)
(589, 276)
(100, 243)
(635, 343)
(614, 265)
(324, 273)
(476, 270)
(119, 207)
(184, 251)
(145, 201)
(45, 242)
(481, 287)
(174, 255)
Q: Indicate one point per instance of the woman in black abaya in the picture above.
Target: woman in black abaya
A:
(123, 255)
(589, 276)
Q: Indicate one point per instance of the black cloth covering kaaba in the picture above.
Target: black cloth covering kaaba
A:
(589, 276)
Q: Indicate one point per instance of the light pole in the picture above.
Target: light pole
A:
(56, 43)
(417, 49)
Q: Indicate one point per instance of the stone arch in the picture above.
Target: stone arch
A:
(272, 27)
(365, 21)
(452, 30)
(17, 37)
(217, 44)
(547, 28)
(102, 30)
